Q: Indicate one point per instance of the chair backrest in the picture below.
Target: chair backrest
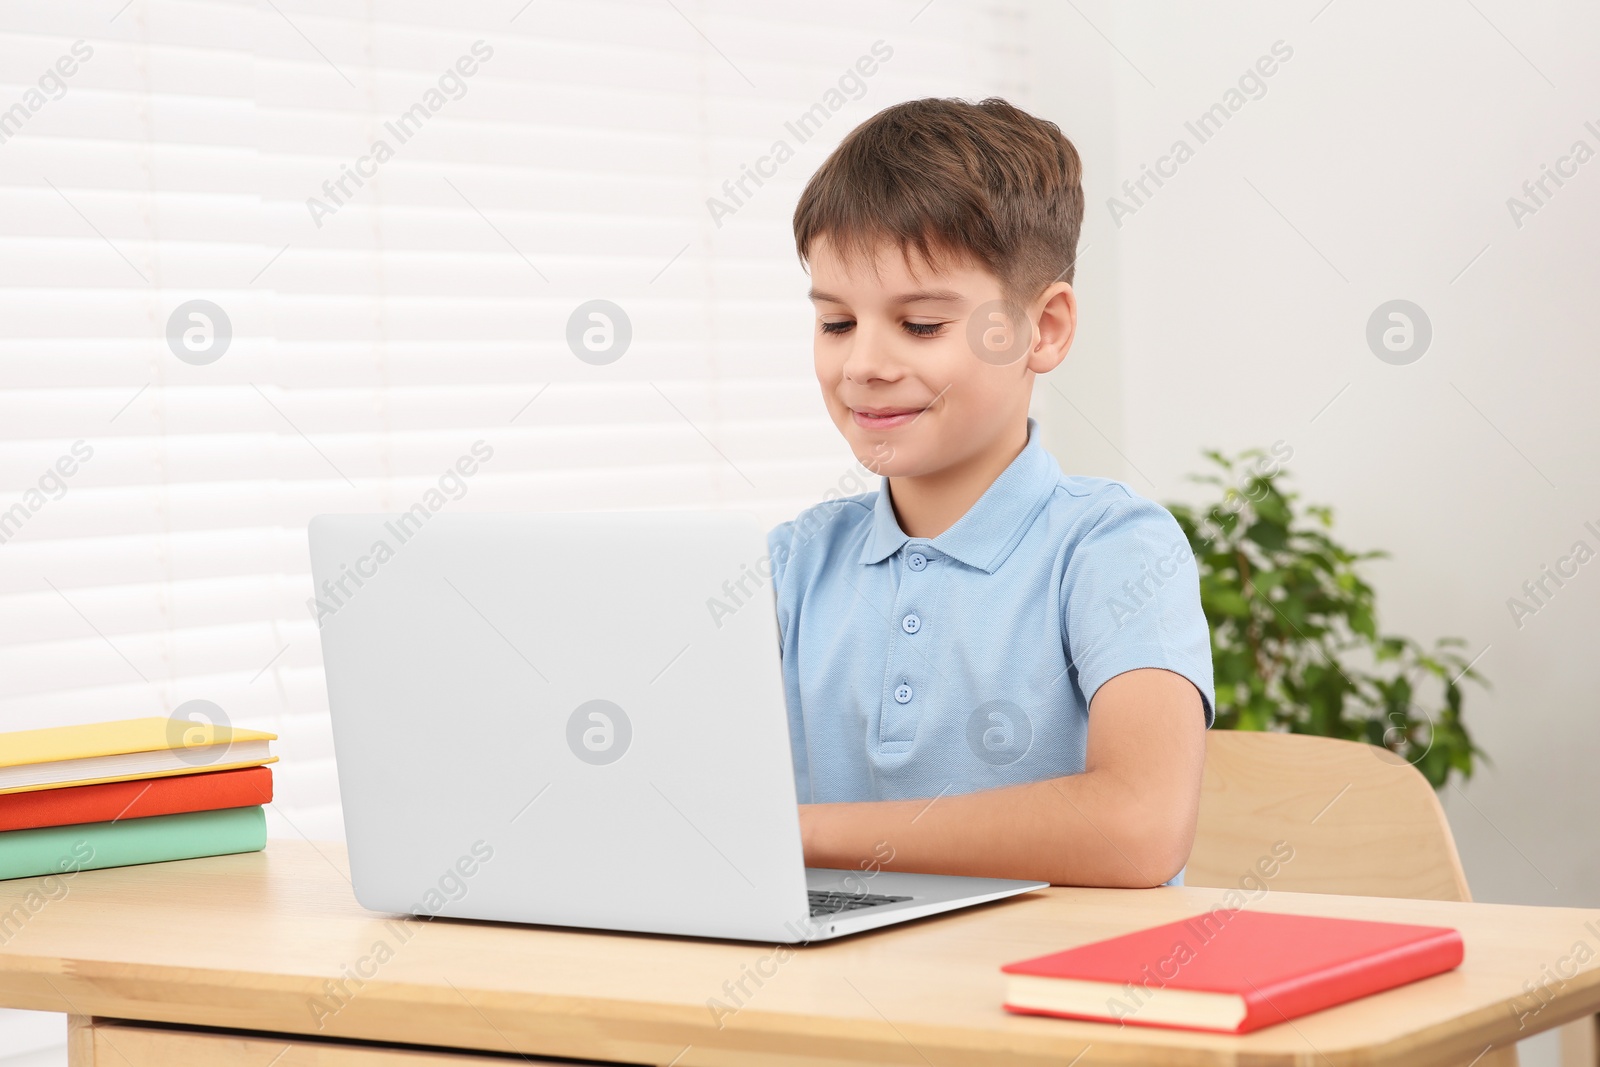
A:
(1358, 819)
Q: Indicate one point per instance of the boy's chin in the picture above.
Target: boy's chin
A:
(896, 454)
(886, 463)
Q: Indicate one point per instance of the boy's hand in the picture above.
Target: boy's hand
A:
(1127, 820)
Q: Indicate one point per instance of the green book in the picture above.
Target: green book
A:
(153, 839)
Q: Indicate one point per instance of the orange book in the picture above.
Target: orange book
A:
(136, 798)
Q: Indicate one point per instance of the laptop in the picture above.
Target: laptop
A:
(578, 720)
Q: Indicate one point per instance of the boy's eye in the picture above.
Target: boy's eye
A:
(919, 329)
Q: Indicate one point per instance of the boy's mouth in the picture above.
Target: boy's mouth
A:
(884, 418)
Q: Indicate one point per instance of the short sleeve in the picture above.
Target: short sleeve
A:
(1131, 599)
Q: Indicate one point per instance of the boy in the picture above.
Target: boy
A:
(991, 668)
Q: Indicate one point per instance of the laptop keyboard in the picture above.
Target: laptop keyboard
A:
(831, 901)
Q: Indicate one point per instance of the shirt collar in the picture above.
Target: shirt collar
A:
(991, 528)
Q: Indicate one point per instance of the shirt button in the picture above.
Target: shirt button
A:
(902, 695)
(911, 624)
(916, 561)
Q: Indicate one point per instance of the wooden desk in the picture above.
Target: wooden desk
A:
(249, 943)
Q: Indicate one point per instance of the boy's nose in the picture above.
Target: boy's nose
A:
(870, 357)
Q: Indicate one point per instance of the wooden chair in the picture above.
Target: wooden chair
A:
(1360, 821)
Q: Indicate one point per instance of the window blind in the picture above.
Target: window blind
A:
(267, 260)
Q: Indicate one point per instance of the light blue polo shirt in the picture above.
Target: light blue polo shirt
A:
(915, 667)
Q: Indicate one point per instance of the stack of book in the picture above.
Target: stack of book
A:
(110, 794)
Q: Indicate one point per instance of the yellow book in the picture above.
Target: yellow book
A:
(154, 747)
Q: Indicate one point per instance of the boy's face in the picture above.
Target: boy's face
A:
(901, 357)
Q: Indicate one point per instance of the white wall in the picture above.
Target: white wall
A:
(1230, 308)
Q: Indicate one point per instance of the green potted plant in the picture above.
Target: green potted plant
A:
(1294, 630)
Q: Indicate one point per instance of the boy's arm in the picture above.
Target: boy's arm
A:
(1127, 820)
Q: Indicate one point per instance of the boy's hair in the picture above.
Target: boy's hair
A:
(984, 181)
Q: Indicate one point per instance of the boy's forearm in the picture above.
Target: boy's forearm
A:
(1084, 829)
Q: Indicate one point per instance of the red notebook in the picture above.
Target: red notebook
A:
(135, 798)
(1229, 971)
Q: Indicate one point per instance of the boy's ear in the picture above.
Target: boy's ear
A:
(1057, 318)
